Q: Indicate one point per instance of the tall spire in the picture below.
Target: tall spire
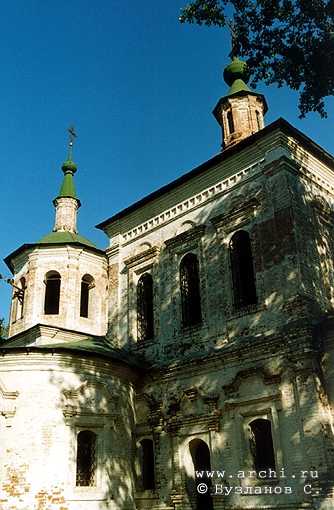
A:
(67, 203)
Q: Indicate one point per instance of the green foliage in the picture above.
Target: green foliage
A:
(3, 329)
(285, 42)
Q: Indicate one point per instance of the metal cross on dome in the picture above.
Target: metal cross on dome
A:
(72, 134)
(233, 35)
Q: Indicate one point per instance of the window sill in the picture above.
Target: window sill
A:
(144, 343)
(192, 327)
(246, 310)
(142, 494)
(189, 331)
(89, 493)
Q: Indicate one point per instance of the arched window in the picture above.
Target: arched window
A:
(52, 293)
(146, 450)
(259, 120)
(243, 278)
(190, 291)
(86, 459)
(87, 284)
(200, 454)
(145, 307)
(18, 299)
(230, 122)
(262, 445)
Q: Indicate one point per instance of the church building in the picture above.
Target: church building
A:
(190, 365)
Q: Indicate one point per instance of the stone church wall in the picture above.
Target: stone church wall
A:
(45, 402)
(288, 226)
(215, 400)
(212, 380)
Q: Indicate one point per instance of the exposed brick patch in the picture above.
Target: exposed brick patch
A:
(46, 498)
(16, 493)
(15, 487)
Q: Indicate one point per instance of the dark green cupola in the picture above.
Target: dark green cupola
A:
(236, 75)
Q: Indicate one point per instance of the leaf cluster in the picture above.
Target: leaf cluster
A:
(3, 329)
(287, 42)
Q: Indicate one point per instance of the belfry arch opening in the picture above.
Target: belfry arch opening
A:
(52, 293)
(87, 285)
(18, 299)
(259, 120)
(230, 122)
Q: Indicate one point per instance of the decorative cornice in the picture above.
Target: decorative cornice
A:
(251, 372)
(263, 399)
(192, 235)
(205, 415)
(8, 395)
(194, 201)
(140, 258)
(208, 422)
(237, 216)
(77, 405)
(7, 409)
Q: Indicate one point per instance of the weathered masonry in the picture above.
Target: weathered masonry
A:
(190, 365)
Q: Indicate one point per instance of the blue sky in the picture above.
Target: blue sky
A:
(139, 88)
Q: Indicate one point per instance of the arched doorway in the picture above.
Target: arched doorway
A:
(200, 454)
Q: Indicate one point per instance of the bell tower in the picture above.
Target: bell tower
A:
(240, 113)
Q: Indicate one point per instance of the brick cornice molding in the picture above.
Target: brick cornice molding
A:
(185, 238)
(240, 377)
(142, 257)
(7, 408)
(86, 401)
(237, 216)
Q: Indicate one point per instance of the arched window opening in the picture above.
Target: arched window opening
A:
(145, 307)
(52, 293)
(18, 296)
(190, 291)
(259, 120)
(230, 122)
(86, 459)
(262, 445)
(146, 450)
(243, 277)
(87, 284)
(200, 454)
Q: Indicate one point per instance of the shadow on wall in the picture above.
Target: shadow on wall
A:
(98, 407)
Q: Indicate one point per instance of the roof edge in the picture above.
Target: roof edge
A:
(88, 344)
(279, 124)
(7, 260)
